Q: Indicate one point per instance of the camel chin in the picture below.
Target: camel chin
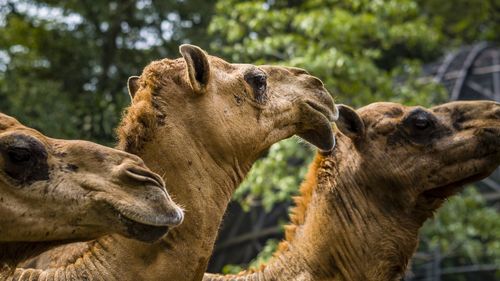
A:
(145, 222)
(480, 165)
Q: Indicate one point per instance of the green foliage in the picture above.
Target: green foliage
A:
(276, 177)
(353, 46)
(464, 21)
(261, 259)
(465, 227)
(64, 64)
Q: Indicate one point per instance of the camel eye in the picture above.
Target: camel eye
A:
(24, 158)
(258, 82)
(421, 123)
(18, 156)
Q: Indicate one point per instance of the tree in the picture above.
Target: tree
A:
(464, 21)
(64, 64)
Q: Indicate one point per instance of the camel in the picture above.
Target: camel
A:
(201, 122)
(361, 207)
(57, 190)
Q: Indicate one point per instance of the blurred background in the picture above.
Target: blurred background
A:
(64, 67)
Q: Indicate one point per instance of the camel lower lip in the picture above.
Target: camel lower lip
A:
(324, 142)
(448, 190)
(143, 232)
(319, 131)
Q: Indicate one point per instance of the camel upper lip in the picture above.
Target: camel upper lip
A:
(331, 114)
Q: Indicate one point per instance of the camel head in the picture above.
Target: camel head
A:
(392, 167)
(412, 158)
(71, 190)
(237, 110)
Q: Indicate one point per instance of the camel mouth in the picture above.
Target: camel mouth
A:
(319, 132)
(447, 190)
(160, 215)
(146, 228)
(143, 232)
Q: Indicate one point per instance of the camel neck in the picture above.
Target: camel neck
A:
(342, 236)
(203, 185)
(200, 182)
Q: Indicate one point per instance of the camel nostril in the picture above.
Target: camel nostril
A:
(142, 175)
(315, 82)
(331, 115)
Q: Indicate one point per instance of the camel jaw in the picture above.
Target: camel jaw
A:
(447, 190)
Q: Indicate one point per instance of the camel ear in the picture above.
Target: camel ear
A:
(197, 66)
(133, 86)
(349, 122)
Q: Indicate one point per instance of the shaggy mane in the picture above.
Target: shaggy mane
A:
(298, 213)
(144, 116)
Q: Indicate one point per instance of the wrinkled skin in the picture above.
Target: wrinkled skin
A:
(57, 190)
(361, 206)
(201, 122)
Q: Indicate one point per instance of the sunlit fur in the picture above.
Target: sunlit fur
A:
(361, 207)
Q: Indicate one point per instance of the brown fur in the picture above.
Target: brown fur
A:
(361, 206)
(85, 191)
(202, 136)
